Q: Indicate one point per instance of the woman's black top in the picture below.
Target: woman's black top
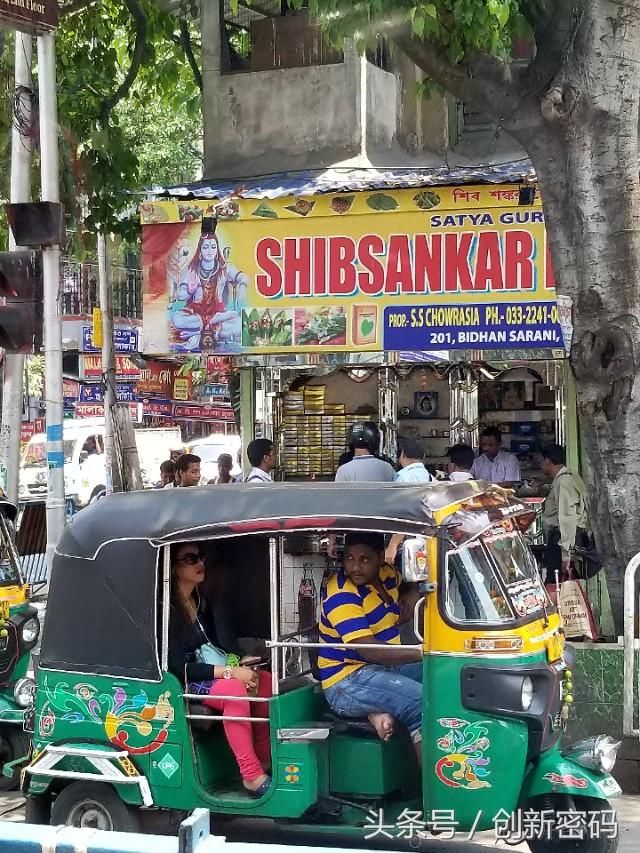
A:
(185, 639)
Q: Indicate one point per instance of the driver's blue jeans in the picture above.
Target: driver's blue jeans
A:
(396, 690)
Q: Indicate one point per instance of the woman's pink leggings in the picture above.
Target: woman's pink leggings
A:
(249, 742)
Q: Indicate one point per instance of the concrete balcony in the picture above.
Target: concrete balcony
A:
(291, 108)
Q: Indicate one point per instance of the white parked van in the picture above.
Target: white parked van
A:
(208, 449)
(84, 463)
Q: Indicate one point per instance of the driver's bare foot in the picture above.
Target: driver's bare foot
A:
(383, 724)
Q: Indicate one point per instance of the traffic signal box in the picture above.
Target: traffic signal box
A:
(21, 293)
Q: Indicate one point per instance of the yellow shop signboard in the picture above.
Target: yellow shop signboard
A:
(456, 268)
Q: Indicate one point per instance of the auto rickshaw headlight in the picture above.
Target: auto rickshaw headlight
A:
(606, 752)
(596, 753)
(30, 630)
(527, 693)
(24, 692)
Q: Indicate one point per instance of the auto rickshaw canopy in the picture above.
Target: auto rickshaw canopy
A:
(102, 612)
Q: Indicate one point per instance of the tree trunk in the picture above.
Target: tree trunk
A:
(574, 110)
(585, 152)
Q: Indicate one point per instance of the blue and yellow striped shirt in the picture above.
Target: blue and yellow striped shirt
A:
(349, 612)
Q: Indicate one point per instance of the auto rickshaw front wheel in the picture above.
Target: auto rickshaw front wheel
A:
(95, 805)
(14, 743)
(579, 825)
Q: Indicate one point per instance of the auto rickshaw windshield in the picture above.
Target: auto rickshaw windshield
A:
(494, 579)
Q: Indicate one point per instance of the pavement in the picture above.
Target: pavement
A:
(628, 808)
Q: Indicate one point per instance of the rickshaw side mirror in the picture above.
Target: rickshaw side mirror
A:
(415, 565)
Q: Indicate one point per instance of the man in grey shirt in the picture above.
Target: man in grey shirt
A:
(364, 440)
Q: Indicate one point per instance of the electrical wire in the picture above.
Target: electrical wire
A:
(24, 113)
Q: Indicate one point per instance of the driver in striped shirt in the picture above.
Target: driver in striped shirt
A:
(362, 607)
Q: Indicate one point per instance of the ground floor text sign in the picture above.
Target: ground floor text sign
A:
(29, 16)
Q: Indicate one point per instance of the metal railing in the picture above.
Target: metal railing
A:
(79, 289)
(194, 836)
(631, 647)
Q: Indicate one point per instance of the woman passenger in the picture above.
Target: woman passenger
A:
(191, 625)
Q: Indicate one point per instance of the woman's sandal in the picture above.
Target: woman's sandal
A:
(261, 791)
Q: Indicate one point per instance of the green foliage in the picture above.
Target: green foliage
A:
(457, 26)
(150, 136)
(35, 375)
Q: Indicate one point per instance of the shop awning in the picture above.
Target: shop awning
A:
(349, 179)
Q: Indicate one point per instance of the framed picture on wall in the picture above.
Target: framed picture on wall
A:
(513, 396)
(545, 397)
(425, 404)
(489, 396)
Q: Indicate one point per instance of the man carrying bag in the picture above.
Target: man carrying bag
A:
(565, 522)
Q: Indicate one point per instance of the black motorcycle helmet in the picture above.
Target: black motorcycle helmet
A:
(364, 434)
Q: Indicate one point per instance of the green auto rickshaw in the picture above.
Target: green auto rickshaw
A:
(19, 632)
(117, 739)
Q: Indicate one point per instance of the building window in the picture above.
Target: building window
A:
(266, 35)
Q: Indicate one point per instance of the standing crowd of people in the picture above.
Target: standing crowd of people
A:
(564, 515)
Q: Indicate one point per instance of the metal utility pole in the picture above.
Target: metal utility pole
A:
(21, 148)
(113, 478)
(50, 184)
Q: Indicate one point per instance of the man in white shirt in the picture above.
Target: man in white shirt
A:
(494, 464)
(365, 467)
(263, 458)
(461, 459)
(412, 451)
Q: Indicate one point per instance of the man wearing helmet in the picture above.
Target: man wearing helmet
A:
(365, 467)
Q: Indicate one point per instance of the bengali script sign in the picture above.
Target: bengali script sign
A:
(96, 410)
(202, 412)
(461, 268)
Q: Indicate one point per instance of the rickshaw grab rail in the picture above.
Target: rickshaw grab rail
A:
(354, 647)
(631, 645)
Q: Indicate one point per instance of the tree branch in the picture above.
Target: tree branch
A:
(187, 47)
(480, 79)
(140, 22)
(554, 34)
(75, 6)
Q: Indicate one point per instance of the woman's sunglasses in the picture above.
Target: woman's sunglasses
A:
(190, 559)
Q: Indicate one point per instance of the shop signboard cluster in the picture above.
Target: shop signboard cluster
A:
(443, 269)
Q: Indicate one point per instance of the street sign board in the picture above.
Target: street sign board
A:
(29, 16)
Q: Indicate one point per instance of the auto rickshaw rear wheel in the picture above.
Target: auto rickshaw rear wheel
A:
(95, 805)
(14, 743)
(596, 831)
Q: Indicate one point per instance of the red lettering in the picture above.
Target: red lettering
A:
(519, 272)
(549, 276)
(297, 266)
(398, 265)
(319, 266)
(488, 262)
(457, 273)
(342, 270)
(371, 282)
(427, 254)
(269, 284)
